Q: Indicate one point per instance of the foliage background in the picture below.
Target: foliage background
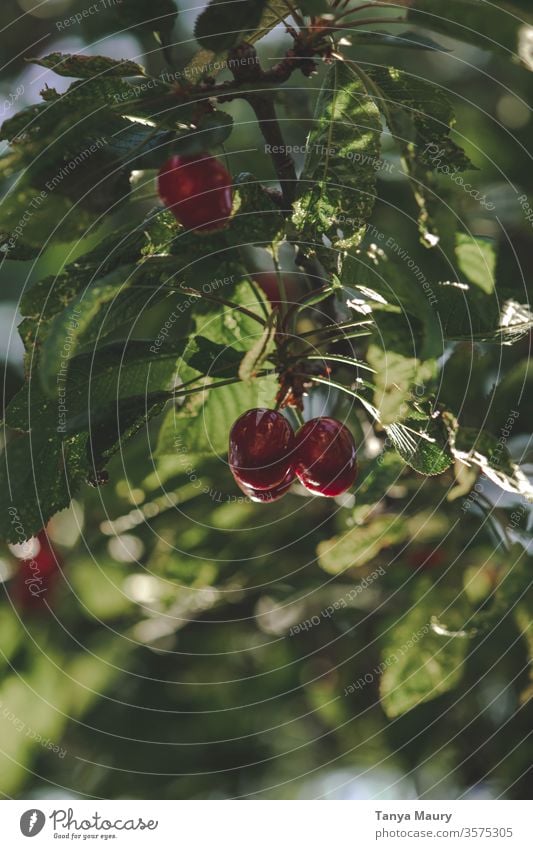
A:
(172, 663)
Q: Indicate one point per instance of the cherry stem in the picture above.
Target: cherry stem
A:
(336, 329)
(201, 295)
(206, 387)
(298, 416)
(367, 22)
(282, 291)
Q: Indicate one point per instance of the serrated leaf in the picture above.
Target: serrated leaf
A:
(85, 67)
(338, 181)
(258, 218)
(420, 118)
(39, 474)
(467, 314)
(67, 327)
(423, 442)
(489, 454)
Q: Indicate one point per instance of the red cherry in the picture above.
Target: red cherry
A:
(37, 575)
(265, 495)
(197, 190)
(261, 446)
(325, 457)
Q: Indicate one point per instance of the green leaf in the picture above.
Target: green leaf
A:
(377, 477)
(361, 544)
(201, 427)
(395, 379)
(502, 28)
(468, 314)
(215, 27)
(258, 218)
(39, 474)
(210, 63)
(420, 118)
(315, 7)
(409, 39)
(477, 260)
(49, 296)
(422, 440)
(338, 181)
(418, 664)
(523, 618)
(66, 329)
(259, 351)
(489, 454)
(84, 67)
(158, 15)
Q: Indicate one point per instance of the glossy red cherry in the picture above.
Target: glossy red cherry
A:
(197, 190)
(325, 457)
(37, 575)
(261, 446)
(263, 496)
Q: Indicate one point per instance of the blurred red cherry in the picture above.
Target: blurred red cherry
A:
(37, 575)
(197, 190)
(426, 557)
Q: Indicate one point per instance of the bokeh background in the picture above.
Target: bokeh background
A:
(167, 664)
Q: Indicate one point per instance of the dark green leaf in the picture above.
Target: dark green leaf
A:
(84, 67)
(225, 23)
(157, 15)
(502, 28)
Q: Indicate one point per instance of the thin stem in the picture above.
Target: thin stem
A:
(209, 386)
(294, 13)
(282, 291)
(340, 386)
(368, 21)
(298, 416)
(338, 359)
(335, 328)
(216, 300)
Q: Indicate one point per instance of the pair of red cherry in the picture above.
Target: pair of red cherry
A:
(197, 190)
(265, 456)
